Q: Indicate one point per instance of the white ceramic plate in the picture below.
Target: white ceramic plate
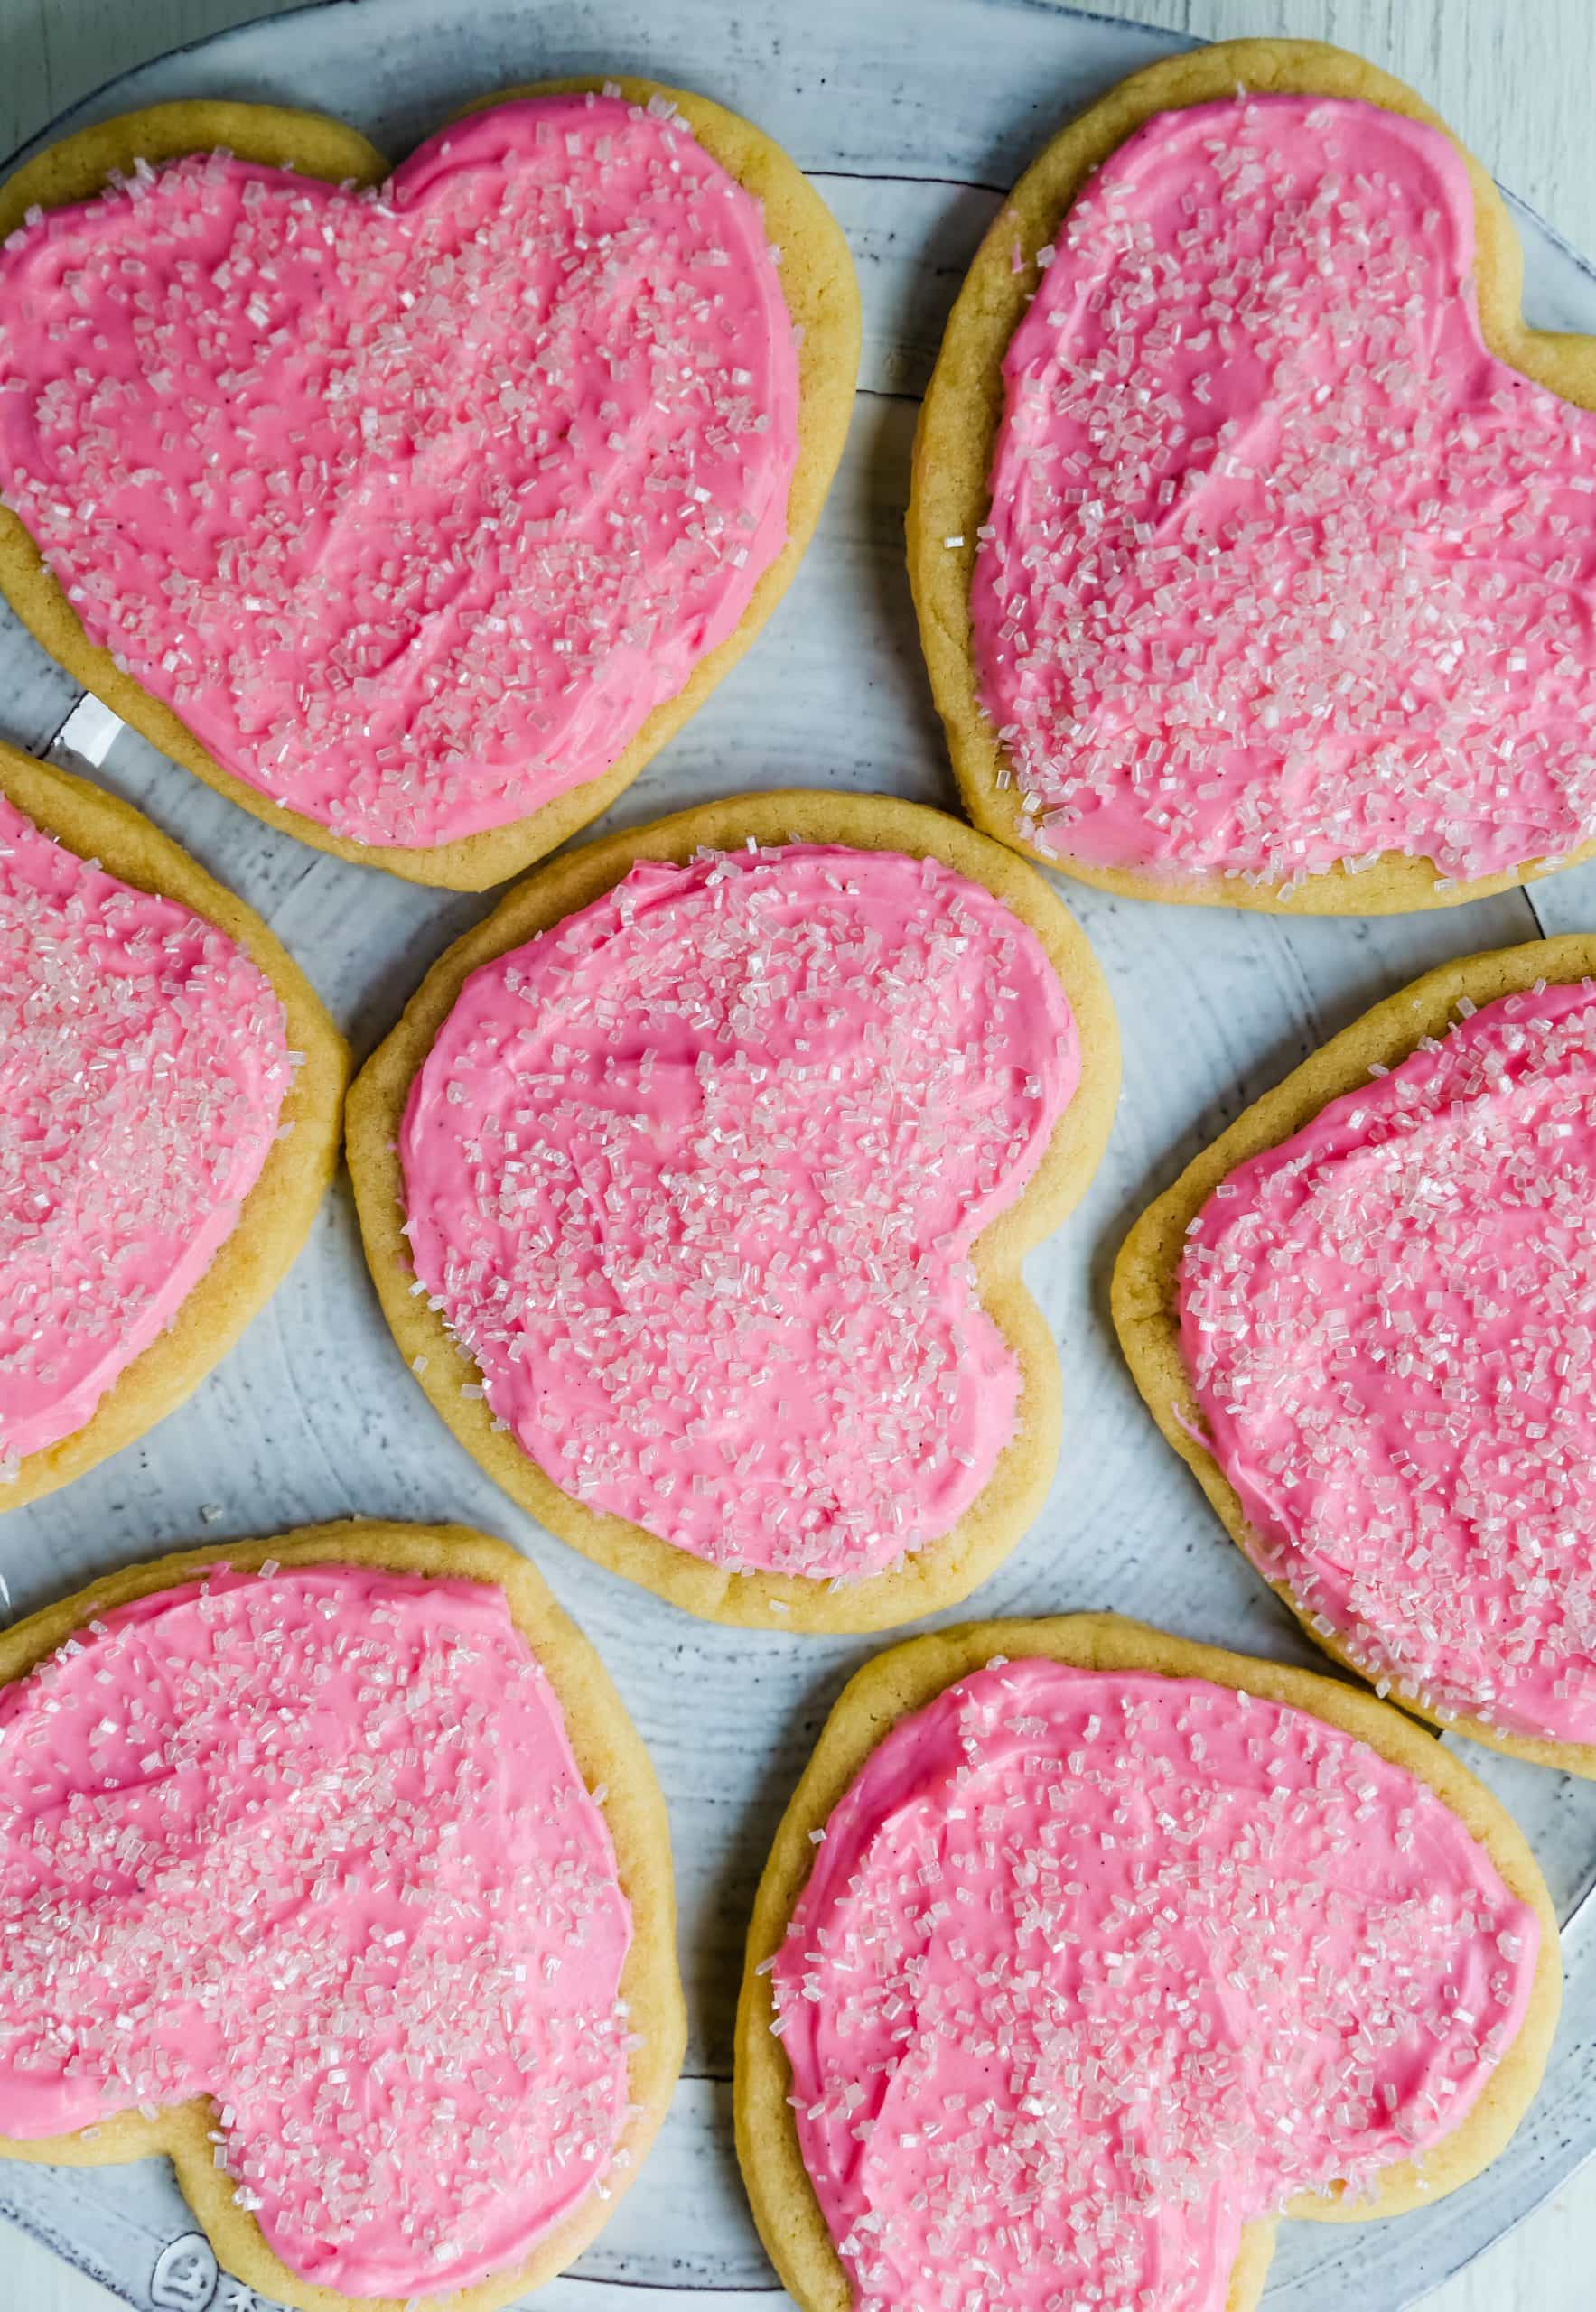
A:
(913, 116)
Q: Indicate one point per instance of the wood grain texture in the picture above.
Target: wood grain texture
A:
(1514, 77)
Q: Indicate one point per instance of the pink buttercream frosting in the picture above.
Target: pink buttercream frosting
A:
(695, 1176)
(1388, 1323)
(1283, 567)
(413, 505)
(144, 1063)
(313, 1844)
(1094, 1968)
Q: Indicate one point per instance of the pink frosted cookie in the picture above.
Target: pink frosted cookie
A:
(1364, 1317)
(1254, 535)
(302, 1882)
(1106, 1953)
(170, 1097)
(417, 512)
(696, 1181)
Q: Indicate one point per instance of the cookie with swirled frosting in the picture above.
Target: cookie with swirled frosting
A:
(1252, 532)
(1361, 1317)
(695, 1183)
(415, 512)
(1083, 1954)
(331, 1867)
(171, 1103)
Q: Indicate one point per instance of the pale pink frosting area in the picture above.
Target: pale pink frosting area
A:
(144, 1063)
(413, 505)
(1388, 1323)
(1093, 1969)
(1282, 568)
(313, 1844)
(695, 1177)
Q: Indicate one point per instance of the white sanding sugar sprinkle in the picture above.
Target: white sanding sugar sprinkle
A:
(1284, 569)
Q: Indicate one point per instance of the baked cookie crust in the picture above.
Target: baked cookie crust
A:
(610, 1755)
(1146, 1313)
(945, 1571)
(822, 294)
(906, 1678)
(276, 1214)
(963, 409)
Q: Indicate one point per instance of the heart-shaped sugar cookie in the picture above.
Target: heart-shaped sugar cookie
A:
(302, 1882)
(1362, 1317)
(424, 513)
(695, 1194)
(1254, 535)
(171, 1105)
(1083, 1954)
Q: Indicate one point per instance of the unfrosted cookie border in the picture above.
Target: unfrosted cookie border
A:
(821, 291)
(610, 1756)
(1146, 1275)
(906, 1678)
(963, 407)
(946, 1570)
(276, 1216)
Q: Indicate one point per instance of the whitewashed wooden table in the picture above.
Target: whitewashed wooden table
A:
(1515, 78)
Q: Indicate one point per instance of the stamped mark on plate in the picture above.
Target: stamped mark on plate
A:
(188, 2279)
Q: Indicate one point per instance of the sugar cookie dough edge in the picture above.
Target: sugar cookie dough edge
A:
(908, 1676)
(963, 407)
(608, 1751)
(947, 1569)
(1146, 1272)
(276, 1214)
(822, 293)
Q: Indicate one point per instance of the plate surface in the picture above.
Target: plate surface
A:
(913, 116)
